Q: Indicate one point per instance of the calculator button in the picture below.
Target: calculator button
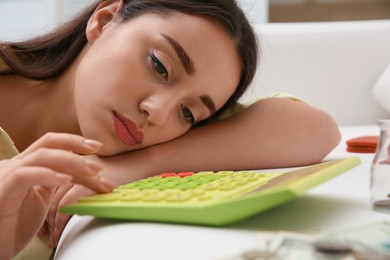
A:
(127, 186)
(155, 197)
(201, 182)
(150, 191)
(167, 174)
(196, 192)
(179, 197)
(182, 181)
(246, 172)
(148, 180)
(101, 198)
(211, 186)
(228, 186)
(168, 185)
(205, 173)
(253, 178)
(144, 186)
(185, 174)
(170, 192)
(188, 186)
(204, 197)
(171, 178)
(129, 191)
(224, 173)
(242, 181)
(133, 197)
(162, 180)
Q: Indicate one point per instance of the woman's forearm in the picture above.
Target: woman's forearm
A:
(272, 133)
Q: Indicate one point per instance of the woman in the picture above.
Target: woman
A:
(137, 76)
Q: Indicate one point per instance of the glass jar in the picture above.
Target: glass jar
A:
(380, 170)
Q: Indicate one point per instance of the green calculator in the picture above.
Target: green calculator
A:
(206, 198)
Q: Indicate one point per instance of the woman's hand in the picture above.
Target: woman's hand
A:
(28, 182)
(121, 168)
(55, 221)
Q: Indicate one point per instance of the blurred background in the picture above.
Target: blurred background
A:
(24, 18)
(327, 10)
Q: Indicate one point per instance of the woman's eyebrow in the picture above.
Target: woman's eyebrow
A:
(209, 103)
(188, 65)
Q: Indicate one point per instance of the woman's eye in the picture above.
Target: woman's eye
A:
(158, 66)
(188, 116)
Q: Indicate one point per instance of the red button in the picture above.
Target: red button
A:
(184, 174)
(167, 174)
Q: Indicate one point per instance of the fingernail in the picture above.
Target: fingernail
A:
(93, 166)
(93, 144)
(63, 178)
(108, 184)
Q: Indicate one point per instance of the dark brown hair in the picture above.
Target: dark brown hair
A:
(49, 55)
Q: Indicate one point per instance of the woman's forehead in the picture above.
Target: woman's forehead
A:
(203, 39)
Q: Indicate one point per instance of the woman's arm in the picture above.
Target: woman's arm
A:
(271, 133)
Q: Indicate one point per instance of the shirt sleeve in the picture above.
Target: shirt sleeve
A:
(7, 147)
(4, 68)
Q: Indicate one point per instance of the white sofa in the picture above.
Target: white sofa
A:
(332, 65)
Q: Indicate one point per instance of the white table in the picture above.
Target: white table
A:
(339, 203)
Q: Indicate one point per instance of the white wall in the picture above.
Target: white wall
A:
(256, 10)
(25, 18)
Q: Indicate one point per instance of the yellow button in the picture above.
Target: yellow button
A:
(179, 197)
(155, 197)
(101, 198)
(133, 197)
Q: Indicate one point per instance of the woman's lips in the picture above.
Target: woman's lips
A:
(127, 130)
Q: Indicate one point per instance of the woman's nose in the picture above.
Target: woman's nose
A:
(157, 108)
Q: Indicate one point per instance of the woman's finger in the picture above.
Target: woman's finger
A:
(62, 161)
(83, 170)
(61, 220)
(48, 227)
(63, 141)
(60, 223)
(22, 179)
(58, 196)
(53, 209)
(43, 231)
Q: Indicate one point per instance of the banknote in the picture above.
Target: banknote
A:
(276, 245)
(297, 247)
(366, 242)
(370, 239)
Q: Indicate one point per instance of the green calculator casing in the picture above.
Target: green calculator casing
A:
(279, 188)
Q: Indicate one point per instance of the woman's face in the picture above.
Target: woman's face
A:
(148, 80)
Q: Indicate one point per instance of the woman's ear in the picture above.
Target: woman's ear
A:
(105, 13)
